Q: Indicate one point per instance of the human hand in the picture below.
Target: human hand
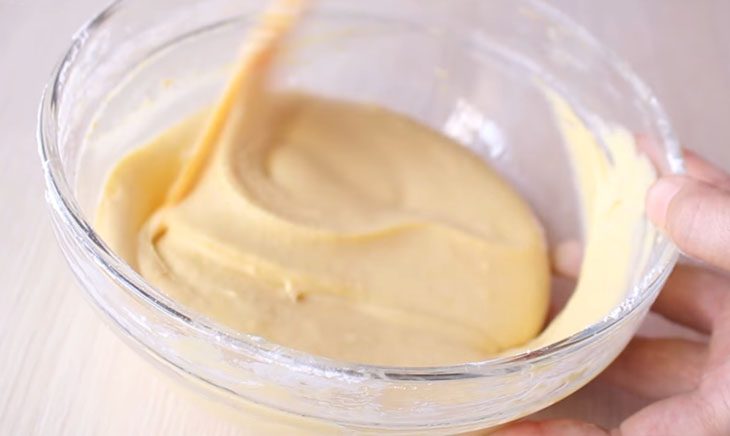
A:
(689, 380)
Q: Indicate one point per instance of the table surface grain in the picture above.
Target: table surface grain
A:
(63, 372)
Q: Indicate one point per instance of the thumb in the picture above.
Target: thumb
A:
(696, 215)
(551, 428)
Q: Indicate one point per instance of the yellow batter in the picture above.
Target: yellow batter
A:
(349, 231)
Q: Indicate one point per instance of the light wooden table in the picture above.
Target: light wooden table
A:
(62, 372)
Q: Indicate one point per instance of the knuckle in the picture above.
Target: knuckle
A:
(713, 410)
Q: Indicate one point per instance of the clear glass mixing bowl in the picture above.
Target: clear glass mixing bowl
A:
(470, 68)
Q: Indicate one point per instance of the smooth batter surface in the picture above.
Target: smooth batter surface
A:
(341, 229)
(352, 232)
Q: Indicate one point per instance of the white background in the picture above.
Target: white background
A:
(62, 372)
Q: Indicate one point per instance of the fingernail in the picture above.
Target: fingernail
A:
(659, 197)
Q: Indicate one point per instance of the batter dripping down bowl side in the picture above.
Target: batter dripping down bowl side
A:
(474, 70)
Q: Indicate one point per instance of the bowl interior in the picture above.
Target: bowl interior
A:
(481, 85)
(487, 98)
(474, 71)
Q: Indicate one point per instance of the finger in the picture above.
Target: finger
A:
(701, 169)
(561, 288)
(720, 342)
(691, 297)
(658, 368)
(697, 167)
(689, 414)
(695, 215)
(567, 258)
(551, 428)
(655, 152)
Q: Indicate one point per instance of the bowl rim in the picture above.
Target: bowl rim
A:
(59, 195)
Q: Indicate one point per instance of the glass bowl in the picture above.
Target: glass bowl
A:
(470, 68)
